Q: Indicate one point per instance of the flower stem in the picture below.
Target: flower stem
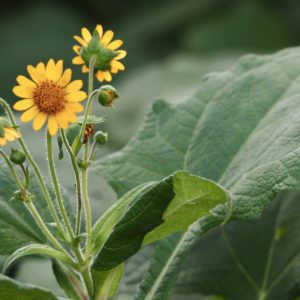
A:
(78, 183)
(56, 187)
(31, 207)
(84, 174)
(12, 170)
(36, 169)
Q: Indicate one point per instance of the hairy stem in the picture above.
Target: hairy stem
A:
(56, 186)
(78, 183)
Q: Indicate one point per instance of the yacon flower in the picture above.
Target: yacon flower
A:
(50, 94)
(7, 133)
(103, 48)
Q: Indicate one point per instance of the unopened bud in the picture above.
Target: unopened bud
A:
(107, 95)
(100, 137)
(17, 157)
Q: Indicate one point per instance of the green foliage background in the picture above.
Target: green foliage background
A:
(170, 44)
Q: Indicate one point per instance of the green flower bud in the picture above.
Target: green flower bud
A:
(100, 137)
(17, 157)
(107, 95)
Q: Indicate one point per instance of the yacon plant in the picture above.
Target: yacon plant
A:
(238, 136)
(88, 259)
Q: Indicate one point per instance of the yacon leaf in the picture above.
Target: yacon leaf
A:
(152, 212)
(241, 129)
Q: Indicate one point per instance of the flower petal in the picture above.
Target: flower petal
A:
(23, 104)
(77, 60)
(62, 120)
(74, 86)
(39, 121)
(33, 73)
(115, 44)
(75, 96)
(71, 116)
(107, 37)
(65, 78)
(23, 92)
(52, 125)
(50, 69)
(74, 107)
(30, 114)
(58, 70)
(81, 41)
(41, 72)
(99, 28)
(8, 136)
(100, 76)
(76, 49)
(16, 134)
(24, 81)
(122, 54)
(107, 76)
(2, 141)
(84, 69)
(86, 34)
(118, 65)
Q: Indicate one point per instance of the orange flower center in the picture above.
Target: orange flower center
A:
(49, 97)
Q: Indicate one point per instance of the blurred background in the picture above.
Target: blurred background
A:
(170, 45)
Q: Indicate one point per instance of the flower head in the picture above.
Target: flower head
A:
(49, 94)
(101, 46)
(7, 133)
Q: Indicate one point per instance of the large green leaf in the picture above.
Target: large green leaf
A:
(241, 129)
(249, 260)
(154, 212)
(11, 289)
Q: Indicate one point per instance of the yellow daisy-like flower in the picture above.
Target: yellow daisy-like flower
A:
(49, 94)
(10, 135)
(107, 55)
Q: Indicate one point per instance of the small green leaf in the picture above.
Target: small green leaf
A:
(37, 249)
(106, 282)
(11, 289)
(92, 120)
(68, 281)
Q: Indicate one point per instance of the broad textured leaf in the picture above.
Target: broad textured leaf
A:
(37, 249)
(153, 212)
(11, 289)
(249, 260)
(241, 129)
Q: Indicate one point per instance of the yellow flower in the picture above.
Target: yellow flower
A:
(49, 95)
(10, 135)
(107, 55)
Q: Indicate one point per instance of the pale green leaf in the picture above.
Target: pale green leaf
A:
(37, 249)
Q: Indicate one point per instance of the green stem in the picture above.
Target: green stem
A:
(43, 227)
(86, 275)
(56, 187)
(36, 169)
(78, 184)
(91, 95)
(12, 170)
